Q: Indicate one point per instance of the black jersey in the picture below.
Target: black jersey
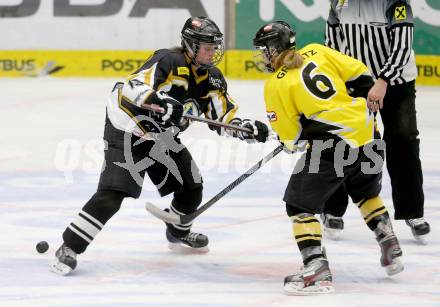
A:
(171, 72)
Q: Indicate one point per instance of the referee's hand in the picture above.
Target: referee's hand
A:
(376, 95)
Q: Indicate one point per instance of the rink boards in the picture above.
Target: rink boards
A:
(237, 64)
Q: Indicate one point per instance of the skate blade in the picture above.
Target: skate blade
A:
(59, 268)
(333, 234)
(395, 267)
(322, 287)
(421, 239)
(184, 249)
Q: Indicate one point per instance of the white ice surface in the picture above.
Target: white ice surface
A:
(50, 158)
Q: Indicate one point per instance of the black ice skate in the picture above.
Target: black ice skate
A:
(64, 262)
(333, 226)
(419, 228)
(314, 278)
(391, 255)
(389, 247)
(192, 242)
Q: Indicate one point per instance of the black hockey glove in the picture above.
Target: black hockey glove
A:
(225, 131)
(234, 133)
(260, 131)
(173, 109)
(360, 86)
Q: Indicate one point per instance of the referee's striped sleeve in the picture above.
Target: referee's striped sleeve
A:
(333, 33)
(333, 36)
(399, 55)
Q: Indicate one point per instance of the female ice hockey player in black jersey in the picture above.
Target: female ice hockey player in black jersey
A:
(180, 80)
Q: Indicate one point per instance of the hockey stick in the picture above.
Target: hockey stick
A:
(187, 218)
(156, 108)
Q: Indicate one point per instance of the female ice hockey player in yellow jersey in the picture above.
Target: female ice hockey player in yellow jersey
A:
(316, 94)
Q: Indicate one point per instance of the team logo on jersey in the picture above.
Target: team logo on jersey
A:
(183, 71)
(400, 12)
(216, 82)
(271, 116)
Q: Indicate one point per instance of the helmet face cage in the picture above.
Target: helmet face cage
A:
(271, 40)
(263, 57)
(202, 30)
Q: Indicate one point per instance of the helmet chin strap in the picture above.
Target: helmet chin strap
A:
(191, 54)
(269, 54)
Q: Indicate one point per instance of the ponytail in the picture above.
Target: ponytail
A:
(289, 58)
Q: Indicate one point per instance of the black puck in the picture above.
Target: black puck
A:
(42, 247)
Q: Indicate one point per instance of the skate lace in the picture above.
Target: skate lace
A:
(417, 222)
(68, 252)
(314, 265)
(314, 271)
(311, 267)
(328, 218)
(192, 236)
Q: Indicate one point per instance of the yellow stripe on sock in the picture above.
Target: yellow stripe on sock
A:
(318, 238)
(306, 228)
(371, 208)
(298, 219)
(374, 214)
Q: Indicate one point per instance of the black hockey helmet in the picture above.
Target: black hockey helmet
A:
(198, 30)
(272, 39)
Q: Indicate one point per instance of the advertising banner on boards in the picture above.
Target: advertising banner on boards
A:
(102, 38)
(100, 25)
(309, 18)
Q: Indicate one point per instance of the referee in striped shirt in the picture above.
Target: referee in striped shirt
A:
(380, 34)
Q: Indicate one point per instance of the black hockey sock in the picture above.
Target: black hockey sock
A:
(187, 201)
(91, 219)
(184, 202)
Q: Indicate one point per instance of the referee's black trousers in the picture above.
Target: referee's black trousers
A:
(402, 155)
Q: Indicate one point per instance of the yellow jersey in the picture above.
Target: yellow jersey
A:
(313, 100)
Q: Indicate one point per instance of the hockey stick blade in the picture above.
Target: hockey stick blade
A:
(163, 215)
(187, 218)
